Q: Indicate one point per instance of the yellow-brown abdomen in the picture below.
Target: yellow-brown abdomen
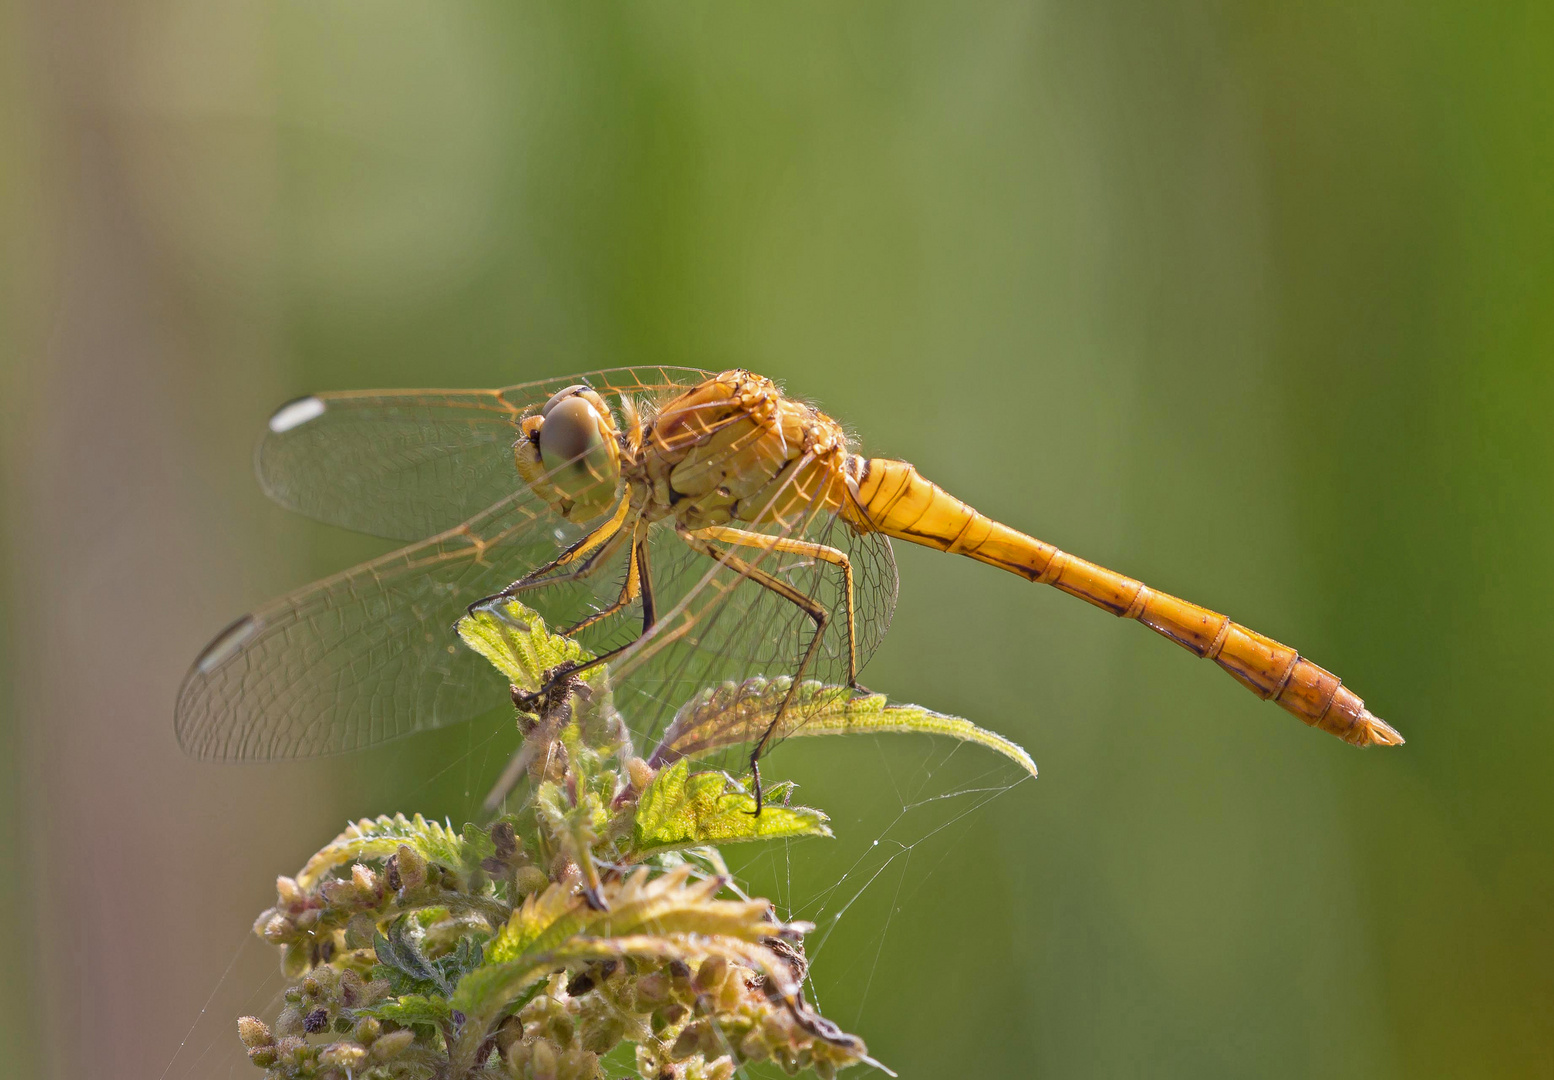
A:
(895, 500)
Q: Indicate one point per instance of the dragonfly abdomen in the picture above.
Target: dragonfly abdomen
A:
(897, 501)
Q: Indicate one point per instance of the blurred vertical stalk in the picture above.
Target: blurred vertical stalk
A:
(21, 334)
(27, 298)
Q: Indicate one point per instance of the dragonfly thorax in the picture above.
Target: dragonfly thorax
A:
(735, 449)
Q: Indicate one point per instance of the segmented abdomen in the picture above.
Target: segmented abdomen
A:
(895, 500)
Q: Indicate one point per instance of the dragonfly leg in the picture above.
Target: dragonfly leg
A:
(571, 668)
(788, 545)
(643, 589)
(589, 548)
(638, 585)
(589, 565)
(649, 609)
(816, 611)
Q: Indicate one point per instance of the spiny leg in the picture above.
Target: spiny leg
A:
(519, 762)
(788, 545)
(643, 587)
(630, 591)
(584, 570)
(649, 609)
(639, 583)
(815, 611)
(590, 545)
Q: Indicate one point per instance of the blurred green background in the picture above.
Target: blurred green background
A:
(1249, 301)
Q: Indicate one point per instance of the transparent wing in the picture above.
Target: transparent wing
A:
(370, 654)
(365, 656)
(738, 645)
(720, 629)
(407, 464)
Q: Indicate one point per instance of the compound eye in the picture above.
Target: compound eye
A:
(570, 434)
(579, 455)
(559, 396)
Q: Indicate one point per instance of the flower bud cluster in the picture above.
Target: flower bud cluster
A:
(691, 1019)
(323, 1004)
(692, 1023)
(334, 922)
(578, 1017)
(532, 952)
(725, 1014)
(311, 926)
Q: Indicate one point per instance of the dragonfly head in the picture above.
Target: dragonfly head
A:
(570, 453)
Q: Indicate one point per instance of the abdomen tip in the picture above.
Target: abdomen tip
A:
(1375, 731)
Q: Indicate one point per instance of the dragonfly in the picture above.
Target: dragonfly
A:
(691, 528)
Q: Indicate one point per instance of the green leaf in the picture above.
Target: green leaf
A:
(548, 926)
(518, 643)
(681, 809)
(409, 970)
(410, 1009)
(378, 838)
(465, 957)
(724, 716)
(401, 961)
(675, 903)
(539, 913)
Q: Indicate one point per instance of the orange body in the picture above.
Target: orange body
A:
(734, 449)
(643, 460)
(898, 502)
